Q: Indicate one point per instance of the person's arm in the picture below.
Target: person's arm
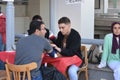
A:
(48, 47)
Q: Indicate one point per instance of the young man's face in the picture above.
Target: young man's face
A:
(64, 28)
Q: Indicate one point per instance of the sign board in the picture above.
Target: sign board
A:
(73, 1)
(7, 0)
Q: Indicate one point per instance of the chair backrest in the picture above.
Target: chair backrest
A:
(84, 54)
(19, 72)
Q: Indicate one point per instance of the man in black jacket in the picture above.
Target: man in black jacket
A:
(68, 44)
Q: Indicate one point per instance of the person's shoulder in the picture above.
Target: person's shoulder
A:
(109, 35)
(21, 40)
(75, 32)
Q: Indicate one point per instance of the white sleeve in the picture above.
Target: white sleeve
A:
(102, 64)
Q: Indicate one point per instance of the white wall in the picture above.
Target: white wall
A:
(20, 10)
(60, 9)
(39, 7)
(21, 24)
(81, 16)
(21, 18)
(45, 11)
(33, 8)
(87, 19)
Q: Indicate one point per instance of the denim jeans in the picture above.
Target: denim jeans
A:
(38, 77)
(115, 66)
(72, 72)
(1, 44)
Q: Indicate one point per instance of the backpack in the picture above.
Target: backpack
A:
(94, 56)
(51, 73)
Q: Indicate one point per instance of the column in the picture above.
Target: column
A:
(87, 19)
(53, 20)
(9, 25)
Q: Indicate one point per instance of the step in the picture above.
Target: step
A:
(97, 74)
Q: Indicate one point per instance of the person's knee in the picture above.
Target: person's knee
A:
(72, 72)
(72, 69)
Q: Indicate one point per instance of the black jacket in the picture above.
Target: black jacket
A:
(73, 44)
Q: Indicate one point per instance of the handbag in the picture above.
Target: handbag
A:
(94, 56)
(51, 73)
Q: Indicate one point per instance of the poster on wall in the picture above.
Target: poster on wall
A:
(73, 1)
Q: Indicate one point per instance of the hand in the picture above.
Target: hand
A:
(57, 48)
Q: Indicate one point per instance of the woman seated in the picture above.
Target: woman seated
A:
(111, 51)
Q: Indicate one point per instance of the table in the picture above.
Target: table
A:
(3, 75)
(7, 55)
(62, 63)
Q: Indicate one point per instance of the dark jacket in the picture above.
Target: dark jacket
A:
(73, 44)
(47, 35)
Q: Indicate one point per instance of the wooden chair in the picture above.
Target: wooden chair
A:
(85, 65)
(16, 70)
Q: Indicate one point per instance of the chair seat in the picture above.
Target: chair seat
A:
(17, 70)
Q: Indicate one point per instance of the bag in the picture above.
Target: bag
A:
(94, 56)
(51, 73)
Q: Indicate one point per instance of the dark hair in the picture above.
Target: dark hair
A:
(65, 20)
(36, 17)
(34, 25)
(112, 25)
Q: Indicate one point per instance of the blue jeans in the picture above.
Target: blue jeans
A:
(115, 66)
(38, 77)
(1, 44)
(72, 72)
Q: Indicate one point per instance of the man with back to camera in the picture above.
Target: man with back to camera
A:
(29, 49)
